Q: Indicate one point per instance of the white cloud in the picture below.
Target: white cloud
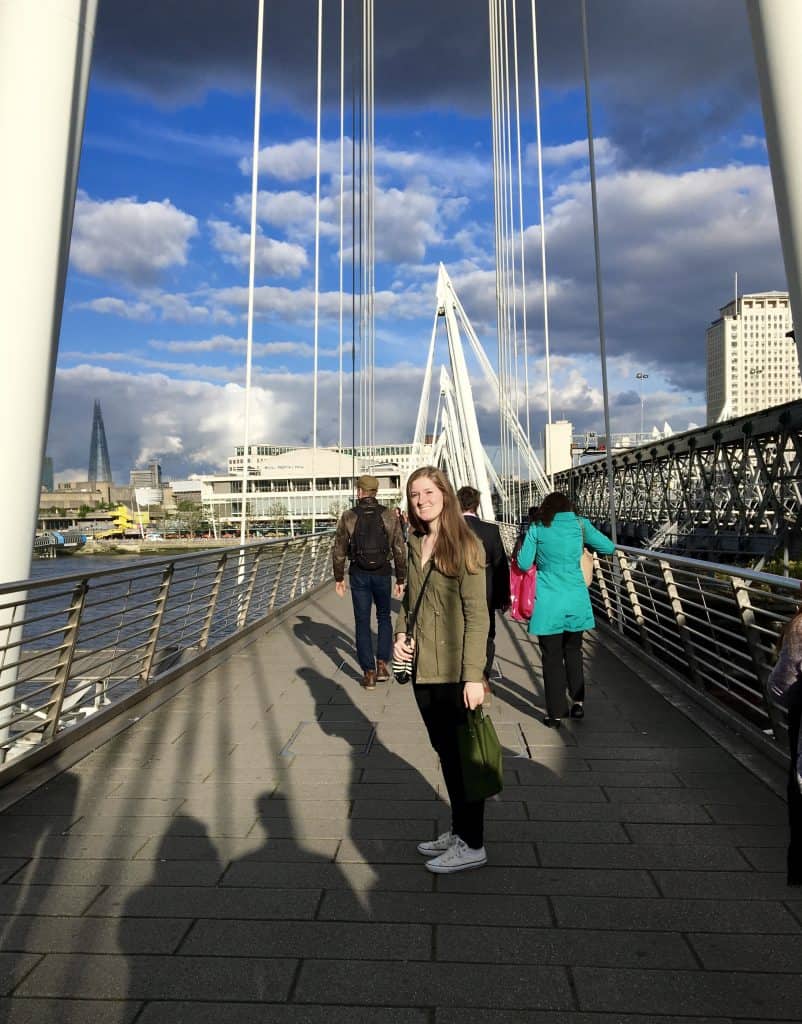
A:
(573, 152)
(283, 259)
(111, 306)
(127, 240)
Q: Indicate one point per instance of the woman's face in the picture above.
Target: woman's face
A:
(426, 499)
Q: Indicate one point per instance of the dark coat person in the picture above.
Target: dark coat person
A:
(497, 567)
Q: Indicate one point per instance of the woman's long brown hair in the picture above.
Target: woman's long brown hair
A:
(456, 542)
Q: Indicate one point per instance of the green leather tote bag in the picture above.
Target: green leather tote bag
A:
(480, 755)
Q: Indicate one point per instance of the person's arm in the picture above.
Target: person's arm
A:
(398, 547)
(528, 550)
(595, 539)
(473, 595)
(339, 553)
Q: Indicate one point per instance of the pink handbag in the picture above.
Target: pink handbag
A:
(522, 592)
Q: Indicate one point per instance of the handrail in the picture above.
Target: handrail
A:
(715, 627)
(91, 653)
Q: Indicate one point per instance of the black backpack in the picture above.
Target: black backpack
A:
(370, 547)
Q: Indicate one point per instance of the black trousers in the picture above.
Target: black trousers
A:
(794, 800)
(562, 670)
(442, 710)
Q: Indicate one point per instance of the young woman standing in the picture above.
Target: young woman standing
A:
(446, 561)
(554, 542)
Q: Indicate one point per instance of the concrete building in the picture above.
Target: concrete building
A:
(751, 363)
(151, 476)
(280, 485)
(558, 446)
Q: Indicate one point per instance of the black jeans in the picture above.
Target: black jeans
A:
(442, 711)
(562, 670)
(794, 800)
(490, 652)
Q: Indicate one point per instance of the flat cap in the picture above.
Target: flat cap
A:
(367, 483)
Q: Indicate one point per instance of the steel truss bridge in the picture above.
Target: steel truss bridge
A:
(730, 490)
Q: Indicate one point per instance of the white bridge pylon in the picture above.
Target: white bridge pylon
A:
(458, 446)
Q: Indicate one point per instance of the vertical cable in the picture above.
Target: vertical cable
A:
(317, 254)
(512, 307)
(523, 252)
(257, 108)
(353, 262)
(342, 255)
(542, 232)
(597, 253)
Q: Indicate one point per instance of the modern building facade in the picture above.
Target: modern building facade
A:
(292, 489)
(752, 364)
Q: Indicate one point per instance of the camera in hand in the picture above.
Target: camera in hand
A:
(402, 667)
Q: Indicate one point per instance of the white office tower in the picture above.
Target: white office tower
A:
(751, 364)
(558, 446)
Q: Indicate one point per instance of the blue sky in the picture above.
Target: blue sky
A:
(154, 318)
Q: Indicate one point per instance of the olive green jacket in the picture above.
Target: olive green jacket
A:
(452, 624)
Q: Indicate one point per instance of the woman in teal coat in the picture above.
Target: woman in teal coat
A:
(554, 543)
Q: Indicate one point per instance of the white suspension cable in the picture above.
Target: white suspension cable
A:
(512, 355)
(523, 252)
(542, 229)
(597, 253)
(317, 256)
(257, 108)
(342, 254)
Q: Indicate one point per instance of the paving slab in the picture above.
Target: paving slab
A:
(246, 852)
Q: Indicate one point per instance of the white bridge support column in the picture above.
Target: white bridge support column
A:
(45, 53)
(777, 39)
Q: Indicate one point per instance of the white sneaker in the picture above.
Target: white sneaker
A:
(436, 846)
(458, 857)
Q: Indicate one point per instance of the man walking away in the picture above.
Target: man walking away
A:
(497, 568)
(369, 535)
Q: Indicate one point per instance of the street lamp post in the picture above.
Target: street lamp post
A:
(641, 377)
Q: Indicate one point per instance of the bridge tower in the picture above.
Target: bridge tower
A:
(99, 465)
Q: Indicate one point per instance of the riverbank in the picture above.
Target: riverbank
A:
(151, 547)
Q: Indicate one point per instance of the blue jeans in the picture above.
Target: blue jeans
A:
(368, 588)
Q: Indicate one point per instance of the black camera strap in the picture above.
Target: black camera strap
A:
(414, 617)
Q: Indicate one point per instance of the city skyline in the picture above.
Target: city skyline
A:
(154, 310)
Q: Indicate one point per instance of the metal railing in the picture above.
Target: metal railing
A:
(714, 626)
(74, 645)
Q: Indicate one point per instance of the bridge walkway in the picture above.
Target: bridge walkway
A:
(245, 852)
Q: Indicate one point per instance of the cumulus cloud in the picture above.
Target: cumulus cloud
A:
(282, 259)
(151, 305)
(129, 241)
(111, 306)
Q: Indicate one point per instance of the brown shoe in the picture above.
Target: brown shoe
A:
(382, 671)
(369, 679)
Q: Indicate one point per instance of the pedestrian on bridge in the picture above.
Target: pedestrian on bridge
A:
(369, 535)
(446, 570)
(497, 568)
(785, 683)
(554, 543)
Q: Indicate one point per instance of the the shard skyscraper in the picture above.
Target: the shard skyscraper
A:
(99, 465)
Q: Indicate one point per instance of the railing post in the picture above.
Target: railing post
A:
(212, 606)
(279, 572)
(603, 590)
(65, 658)
(242, 617)
(153, 638)
(298, 572)
(634, 600)
(680, 619)
(756, 652)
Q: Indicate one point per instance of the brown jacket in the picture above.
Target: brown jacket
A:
(452, 624)
(345, 530)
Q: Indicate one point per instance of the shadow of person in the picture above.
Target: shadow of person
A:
(393, 799)
(31, 832)
(186, 840)
(334, 642)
